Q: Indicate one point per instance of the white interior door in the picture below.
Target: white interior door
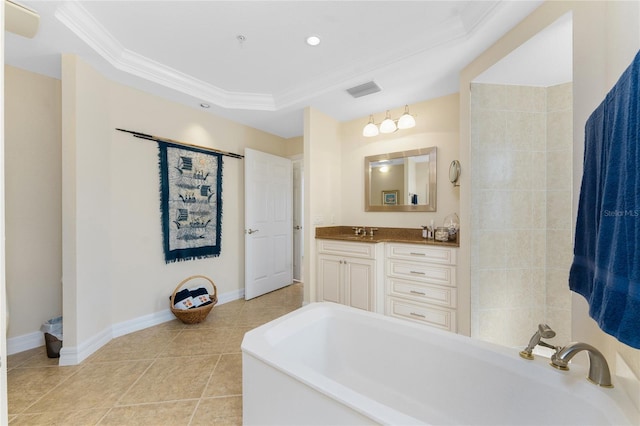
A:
(268, 189)
(298, 235)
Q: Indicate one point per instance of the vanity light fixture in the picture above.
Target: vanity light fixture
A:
(389, 125)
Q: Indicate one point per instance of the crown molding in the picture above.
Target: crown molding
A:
(85, 26)
(77, 19)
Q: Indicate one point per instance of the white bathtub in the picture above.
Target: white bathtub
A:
(328, 364)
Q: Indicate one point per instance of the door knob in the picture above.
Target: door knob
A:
(252, 231)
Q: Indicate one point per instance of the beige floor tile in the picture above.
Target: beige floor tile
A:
(94, 386)
(144, 344)
(31, 358)
(227, 377)
(222, 315)
(66, 418)
(171, 379)
(235, 339)
(174, 324)
(16, 360)
(166, 413)
(214, 321)
(27, 385)
(223, 410)
(196, 342)
(257, 317)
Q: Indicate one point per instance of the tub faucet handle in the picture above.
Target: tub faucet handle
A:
(544, 331)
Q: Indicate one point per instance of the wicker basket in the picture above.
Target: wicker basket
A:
(195, 315)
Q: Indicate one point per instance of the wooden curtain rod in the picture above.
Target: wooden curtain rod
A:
(173, 141)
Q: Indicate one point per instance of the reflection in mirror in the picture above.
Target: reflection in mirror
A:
(401, 181)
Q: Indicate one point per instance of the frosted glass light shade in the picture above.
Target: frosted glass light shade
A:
(388, 125)
(406, 121)
(370, 129)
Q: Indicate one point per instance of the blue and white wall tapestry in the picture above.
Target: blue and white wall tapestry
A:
(191, 202)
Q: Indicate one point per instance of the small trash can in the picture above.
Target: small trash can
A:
(53, 336)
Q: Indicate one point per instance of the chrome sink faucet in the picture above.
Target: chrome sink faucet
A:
(599, 373)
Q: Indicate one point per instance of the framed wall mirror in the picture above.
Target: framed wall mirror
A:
(402, 181)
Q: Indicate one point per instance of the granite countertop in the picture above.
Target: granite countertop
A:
(382, 235)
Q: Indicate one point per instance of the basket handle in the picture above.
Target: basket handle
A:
(183, 282)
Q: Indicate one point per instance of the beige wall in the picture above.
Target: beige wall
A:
(294, 147)
(521, 211)
(323, 185)
(606, 37)
(33, 212)
(86, 191)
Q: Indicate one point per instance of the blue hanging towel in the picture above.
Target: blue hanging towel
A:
(606, 264)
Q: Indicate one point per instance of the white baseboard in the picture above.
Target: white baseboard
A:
(75, 355)
(25, 342)
(140, 323)
(230, 296)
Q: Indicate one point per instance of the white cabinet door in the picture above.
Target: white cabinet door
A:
(359, 283)
(329, 278)
(346, 280)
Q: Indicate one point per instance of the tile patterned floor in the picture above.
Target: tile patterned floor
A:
(170, 374)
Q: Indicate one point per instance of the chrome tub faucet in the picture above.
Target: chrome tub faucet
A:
(544, 331)
(599, 373)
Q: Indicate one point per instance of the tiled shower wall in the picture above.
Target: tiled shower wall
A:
(521, 142)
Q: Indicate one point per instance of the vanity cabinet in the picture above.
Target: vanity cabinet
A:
(350, 273)
(420, 284)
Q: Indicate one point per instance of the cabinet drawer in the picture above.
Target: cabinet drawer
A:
(427, 293)
(415, 252)
(423, 272)
(345, 248)
(436, 317)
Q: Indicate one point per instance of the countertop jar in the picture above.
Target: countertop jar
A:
(442, 233)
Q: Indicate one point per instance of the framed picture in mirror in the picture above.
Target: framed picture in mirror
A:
(403, 181)
(390, 197)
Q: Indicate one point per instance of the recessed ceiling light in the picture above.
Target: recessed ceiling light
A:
(205, 106)
(313, 40)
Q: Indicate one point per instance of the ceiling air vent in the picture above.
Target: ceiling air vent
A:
(364, 89)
